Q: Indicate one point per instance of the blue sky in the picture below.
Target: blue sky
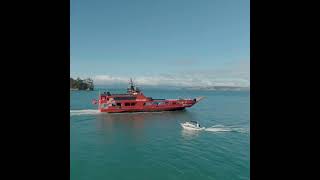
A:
(202, 42)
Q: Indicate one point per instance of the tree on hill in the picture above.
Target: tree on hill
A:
(86, 84)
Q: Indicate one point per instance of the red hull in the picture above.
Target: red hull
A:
(135, 101)
(143, 106)
(142, 110)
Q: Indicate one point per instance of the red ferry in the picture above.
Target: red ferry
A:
(135, 101)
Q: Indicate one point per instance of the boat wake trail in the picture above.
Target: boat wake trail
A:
(221, 128)
(84, 112)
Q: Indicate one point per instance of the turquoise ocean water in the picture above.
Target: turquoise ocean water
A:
(154, 145)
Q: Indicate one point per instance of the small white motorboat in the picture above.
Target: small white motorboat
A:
(192, 125)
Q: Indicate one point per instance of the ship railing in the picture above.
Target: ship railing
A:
(121, 95)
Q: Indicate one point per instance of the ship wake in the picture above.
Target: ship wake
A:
(84, 112)
(222, 128)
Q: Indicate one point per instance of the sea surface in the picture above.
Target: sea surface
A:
(153, 146)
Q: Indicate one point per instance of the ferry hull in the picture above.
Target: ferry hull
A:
(142, 110)
(135, 101)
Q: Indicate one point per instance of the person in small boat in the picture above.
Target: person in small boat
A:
(195, 123)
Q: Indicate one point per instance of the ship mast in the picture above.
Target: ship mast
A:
(131, 85)
(132, 88)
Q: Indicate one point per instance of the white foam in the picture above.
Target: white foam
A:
(217, 129)
(84, 112)
(222, 128)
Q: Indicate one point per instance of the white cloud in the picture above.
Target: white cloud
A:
(237, 74)
(183, 80)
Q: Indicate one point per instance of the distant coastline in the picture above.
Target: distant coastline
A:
(81, 84)
(219, 88)
(168, 87)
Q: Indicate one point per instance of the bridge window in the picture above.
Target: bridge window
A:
(118, 104)
(133, 104)
(125, 98)
(147, 104)
(127, 104)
